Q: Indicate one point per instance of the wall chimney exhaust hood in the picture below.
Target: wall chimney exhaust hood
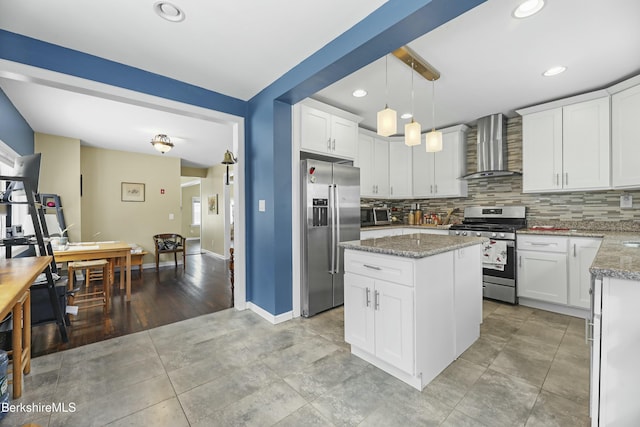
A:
(492, 148)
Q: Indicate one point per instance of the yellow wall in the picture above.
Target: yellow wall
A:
(134, 222)
(212, 238)
(197, 172)
(187, 194)
(60, 174)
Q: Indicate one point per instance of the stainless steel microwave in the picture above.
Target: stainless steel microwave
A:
(374, 216)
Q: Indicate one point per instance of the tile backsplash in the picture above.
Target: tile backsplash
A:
(602, 207)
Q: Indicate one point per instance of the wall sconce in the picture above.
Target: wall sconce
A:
(228, 160)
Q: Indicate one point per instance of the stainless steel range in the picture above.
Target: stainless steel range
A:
(499, 224)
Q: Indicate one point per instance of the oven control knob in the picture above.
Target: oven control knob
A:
(493, 234)
(457, 233)
(501, 234)
(464, 233)
(478, 233)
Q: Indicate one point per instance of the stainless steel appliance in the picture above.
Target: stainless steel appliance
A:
(330, 208)
(374, 216)
(498, 224)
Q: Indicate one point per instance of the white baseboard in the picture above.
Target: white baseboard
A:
(268, 316)
(556, 308)
(213, 254)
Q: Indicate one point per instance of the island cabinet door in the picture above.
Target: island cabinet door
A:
(394, 338)
(358, 312)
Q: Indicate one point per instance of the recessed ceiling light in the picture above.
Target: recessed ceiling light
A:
(359, 93)
(528, 8)
(169, 11)
(554, 71)
(406, 116)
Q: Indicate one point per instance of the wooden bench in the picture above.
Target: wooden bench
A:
(136, 259)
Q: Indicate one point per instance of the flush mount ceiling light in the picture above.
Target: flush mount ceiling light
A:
(162, 143)
(554, 71)
(387, 119)
(406, 116)
(528, 8)
(168, 11)
(359, 93)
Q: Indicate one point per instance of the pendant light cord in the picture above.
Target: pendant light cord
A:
(412, 100)
(386, 81)
(433, 105)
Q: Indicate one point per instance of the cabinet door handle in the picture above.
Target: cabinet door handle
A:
(372, 267)
(520, 261)
(376, 302)
(557, 180)
(329, 144)
(334, 143)
(431, 189)
(574, 250)
(566, 178)
(541, 244)
(391, 190)
(368, 297)
(436, 188)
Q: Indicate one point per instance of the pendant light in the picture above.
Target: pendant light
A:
(433, 140)
(412, 130)
(387, 118)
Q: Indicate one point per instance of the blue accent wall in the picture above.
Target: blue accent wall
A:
(14, 129)
(269, 251)
(268, 118)
(26, 50)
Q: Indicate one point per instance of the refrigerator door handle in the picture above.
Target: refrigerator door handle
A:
(332, 208)
(336, 199)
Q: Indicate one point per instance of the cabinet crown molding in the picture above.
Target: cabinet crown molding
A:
(564, 102)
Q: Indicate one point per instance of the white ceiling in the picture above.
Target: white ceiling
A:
(489, 62)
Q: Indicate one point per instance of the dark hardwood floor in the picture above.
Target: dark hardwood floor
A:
(157, 298)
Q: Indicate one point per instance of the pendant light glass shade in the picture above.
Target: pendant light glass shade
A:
(387, 118)
(387, 122)
(412, 133)
(434, 141)
(412, 129)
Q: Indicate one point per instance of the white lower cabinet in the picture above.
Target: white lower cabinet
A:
(543, 276)
(412, 317)
(615, 377)
(555, 269)
(582, 252)
(380, 319)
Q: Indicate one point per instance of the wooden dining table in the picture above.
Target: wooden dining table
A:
(16, 277)
(85, 251)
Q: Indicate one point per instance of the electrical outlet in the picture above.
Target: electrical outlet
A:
(626, 201)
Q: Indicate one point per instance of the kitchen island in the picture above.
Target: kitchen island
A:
(413, 303)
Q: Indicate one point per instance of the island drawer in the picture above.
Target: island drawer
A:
(542, 243)
(382, 267)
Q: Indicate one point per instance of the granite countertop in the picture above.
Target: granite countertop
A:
(400, 225)
(613, 258)
(414, 245)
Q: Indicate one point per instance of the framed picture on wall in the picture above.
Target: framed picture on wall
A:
(212, 204)
(132, 192)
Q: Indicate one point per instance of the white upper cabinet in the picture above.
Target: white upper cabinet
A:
(437, 175)
(400, 169)
(328, 131)
(566, 148)
(373, 161)
(625, 150)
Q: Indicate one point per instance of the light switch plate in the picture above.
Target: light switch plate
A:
(262, 205)
(626, 201)
(171, 217)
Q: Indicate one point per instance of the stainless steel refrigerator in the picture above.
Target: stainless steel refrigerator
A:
(330, 214)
